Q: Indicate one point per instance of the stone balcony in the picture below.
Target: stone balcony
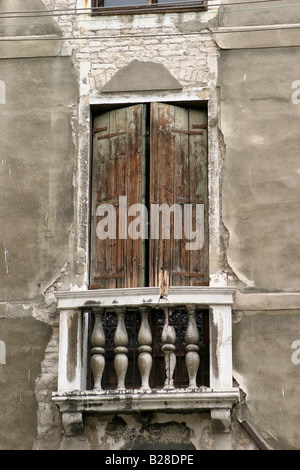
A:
(82, 354)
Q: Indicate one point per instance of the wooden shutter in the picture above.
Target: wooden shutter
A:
(118, 167)
(178, 176)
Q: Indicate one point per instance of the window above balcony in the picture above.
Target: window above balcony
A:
(149, 197)
(104, 7)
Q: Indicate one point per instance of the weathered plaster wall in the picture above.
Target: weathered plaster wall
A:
(271, 13)
(168, 432)
(267, 369)
(25, 339)
(261, 170)
(37, 168)
(38, 102)
(260, 207)
(29, 24)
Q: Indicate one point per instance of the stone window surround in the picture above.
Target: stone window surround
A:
(72, 397)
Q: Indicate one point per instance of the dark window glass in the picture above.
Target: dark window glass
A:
(119, 3)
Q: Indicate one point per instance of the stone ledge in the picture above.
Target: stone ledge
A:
(24, 47)
(73, 404)
(252, 37)
(264, 301)
(135, 400)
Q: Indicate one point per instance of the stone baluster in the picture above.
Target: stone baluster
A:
(168, 339)
(145, 349)
(98, 351)
(121, 350)
(192, 358)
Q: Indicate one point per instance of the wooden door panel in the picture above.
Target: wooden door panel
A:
(178, 176)
(118, 154)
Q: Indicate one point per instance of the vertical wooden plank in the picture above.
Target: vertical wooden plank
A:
(135, 155)
(166, 149)
(199, 190)
(182, 191)
(99, 194)
(153, 196)
(119, 151)
(161, 187)
(115, 143)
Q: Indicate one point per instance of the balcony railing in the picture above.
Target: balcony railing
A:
(130, 345)
(133, 350)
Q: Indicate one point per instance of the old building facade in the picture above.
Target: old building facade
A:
(135, 343)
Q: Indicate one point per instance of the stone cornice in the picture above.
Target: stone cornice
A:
(147, 296)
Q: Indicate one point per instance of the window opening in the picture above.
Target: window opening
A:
(155, 155)
(144, 6)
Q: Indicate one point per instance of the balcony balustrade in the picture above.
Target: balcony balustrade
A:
(175, 333)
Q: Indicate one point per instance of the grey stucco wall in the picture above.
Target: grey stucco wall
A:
(260, 208)
(247, 14)
(261, 171)
(37, 168)
(27, 24)
(260, 201)
(25, 339)
(37, 209)
(268, 374)
(39, 93)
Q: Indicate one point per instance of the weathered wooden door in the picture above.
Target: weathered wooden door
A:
(178, 178)
(175, 171)
(118, 166)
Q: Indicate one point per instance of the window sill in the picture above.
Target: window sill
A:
(116, 401)
(147, 296)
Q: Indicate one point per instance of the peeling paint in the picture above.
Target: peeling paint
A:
(214, 341)
(2, 92)
(72, 346)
